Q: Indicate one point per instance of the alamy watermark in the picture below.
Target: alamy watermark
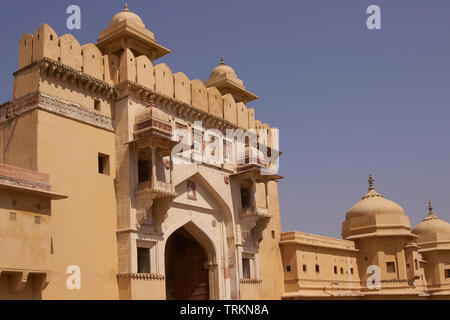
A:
(74, 19)
(260, 147)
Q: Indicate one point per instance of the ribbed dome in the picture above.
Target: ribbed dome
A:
(373, 203)
(432, 224)
(126, 14)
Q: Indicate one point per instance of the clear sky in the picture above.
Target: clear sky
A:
(347, 100)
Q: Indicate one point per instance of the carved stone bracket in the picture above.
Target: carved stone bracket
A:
(41, 281)
(253, 223)
(144, 206)
(261, 225)
(18, 280)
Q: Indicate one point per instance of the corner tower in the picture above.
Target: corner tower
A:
(382, 233)
(127, 31)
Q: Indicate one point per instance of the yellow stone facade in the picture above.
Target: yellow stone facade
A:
(98, 120)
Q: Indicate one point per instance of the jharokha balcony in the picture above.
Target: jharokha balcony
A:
(159, 189)
(152, 123)
(249, 212)
(254, 160)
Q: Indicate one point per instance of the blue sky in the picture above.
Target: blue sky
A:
(347, 100)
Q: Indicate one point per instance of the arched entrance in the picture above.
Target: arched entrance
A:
(187, 276)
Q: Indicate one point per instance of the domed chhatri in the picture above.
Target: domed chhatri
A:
(373, 203)
(374, 215)
(128, 31)
(221, 69)
(225, 79)
(432, 225)
(126, 14)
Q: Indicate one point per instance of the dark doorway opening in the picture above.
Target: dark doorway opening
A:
(186, 275)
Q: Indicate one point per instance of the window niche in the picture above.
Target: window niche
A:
(146, 257)
(97, 105)
(390, 267)
(103, 164)
(248, 266)
(144, 172)
(143, 260)
(191, 190)
(246, 196)
(447, 273)
(144, 165)
(246, 274)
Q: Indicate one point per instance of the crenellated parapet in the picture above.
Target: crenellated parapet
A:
(64, 56)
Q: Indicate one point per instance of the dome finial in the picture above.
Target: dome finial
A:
(371, 181)
(430, 208)
(222, 62)
(125, 7)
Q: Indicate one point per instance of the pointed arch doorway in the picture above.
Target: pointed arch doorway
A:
(187, 276)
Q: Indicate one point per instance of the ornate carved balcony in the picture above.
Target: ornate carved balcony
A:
(259, 212)
(256, 163)
(152, 123)
(249, 162)
(158, 189)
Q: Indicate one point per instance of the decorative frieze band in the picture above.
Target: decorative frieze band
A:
(15, 182)
(57, 106)
(146, 276)
(73, 111)
(251, 281)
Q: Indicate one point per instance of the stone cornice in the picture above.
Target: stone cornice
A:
(16, 182)
(61, 71)
(56, 106)
(175, 106)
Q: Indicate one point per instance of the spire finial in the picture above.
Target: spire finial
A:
(430, 207)
(125, 7)
(222, 62)
(371, 181)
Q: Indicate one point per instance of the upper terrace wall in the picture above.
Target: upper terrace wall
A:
(113, 69)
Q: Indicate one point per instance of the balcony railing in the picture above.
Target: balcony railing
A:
(160, 189)
(259, 212)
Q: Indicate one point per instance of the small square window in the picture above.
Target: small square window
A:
(37, 219)
(447, 273)
(304, 268)
(390, 267)
(273, 234)
(103, 164)
(351, 270)
(97, 106)
(317, 268)
(143, 255)
(335, 269)
(342, 270)
(288, 268)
